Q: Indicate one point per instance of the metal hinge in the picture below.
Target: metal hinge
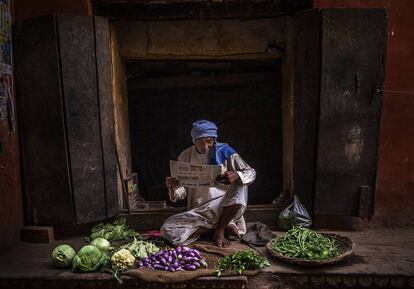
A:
(365, 198)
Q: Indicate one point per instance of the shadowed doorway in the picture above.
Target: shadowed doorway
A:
(242, 97)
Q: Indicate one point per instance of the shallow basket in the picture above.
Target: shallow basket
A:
(345, 247)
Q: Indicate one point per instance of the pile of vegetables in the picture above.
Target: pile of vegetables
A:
(180, 258)
(300, 242)
(140, 249)
(240, 261)
(118, 230)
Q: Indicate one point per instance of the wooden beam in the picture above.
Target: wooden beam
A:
(202, 9)
(200, 81)
(152, 220)
(288, 75)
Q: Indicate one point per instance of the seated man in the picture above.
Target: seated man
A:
(218, 208)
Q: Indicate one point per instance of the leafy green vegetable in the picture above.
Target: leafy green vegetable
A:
(140, 249)
(62, 256)
(118, 230)
(88, 259)
(301, 242)
(102, 244)
(240, 261)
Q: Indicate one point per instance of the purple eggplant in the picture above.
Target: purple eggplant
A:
(203, 263)
(153, 259)
(190, 254)
(169, 259)
(140, 263)
(163, 261)
(171, 269)
(178, 249)
(197, 253)
(197, 264)
(159, 267)
(189, 267)
(192, 259)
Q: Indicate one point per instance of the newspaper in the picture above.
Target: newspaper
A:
(191, 175)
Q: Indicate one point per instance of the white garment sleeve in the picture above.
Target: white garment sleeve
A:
(246, 174)
(178, 193)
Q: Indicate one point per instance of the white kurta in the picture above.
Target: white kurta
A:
(205, 205)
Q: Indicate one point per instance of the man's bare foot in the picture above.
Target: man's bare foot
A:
(219, 238)
(231, 230)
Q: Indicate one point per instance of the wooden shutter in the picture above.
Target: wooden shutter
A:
(353, 45)
(63, 76)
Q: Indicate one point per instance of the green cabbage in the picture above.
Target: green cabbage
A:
(102, 244)
(88, 259)
(62, 256)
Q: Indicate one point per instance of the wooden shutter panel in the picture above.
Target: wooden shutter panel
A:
(63, 76)
(353, 45)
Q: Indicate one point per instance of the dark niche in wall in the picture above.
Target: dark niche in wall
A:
(242, 97)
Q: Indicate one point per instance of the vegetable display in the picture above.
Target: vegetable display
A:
(240, 261)
(180, 258)
(88, 259)
(140, 249)
(301, 242)
(63, 255)
(118, 230)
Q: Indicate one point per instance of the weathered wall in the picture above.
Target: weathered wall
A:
(395, 177)
(120, 101)
(201, 39)
(11, 208)
(28, 8)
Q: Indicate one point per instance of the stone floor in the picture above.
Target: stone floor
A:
(383, 258)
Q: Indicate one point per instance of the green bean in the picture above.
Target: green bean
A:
(301, 242)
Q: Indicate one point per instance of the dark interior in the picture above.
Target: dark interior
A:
(242, 97)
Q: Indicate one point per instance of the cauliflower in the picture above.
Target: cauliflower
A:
(122, 260)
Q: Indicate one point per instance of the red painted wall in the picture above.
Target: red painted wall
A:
(11, 207)
(395, 181)
(30, 8)
(11, 204)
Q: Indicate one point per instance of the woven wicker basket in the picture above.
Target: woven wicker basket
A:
(345, 246)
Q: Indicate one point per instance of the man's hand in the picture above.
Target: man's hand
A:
(228, 178)
(171, 182)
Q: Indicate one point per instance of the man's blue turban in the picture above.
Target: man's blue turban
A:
(203, 128)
